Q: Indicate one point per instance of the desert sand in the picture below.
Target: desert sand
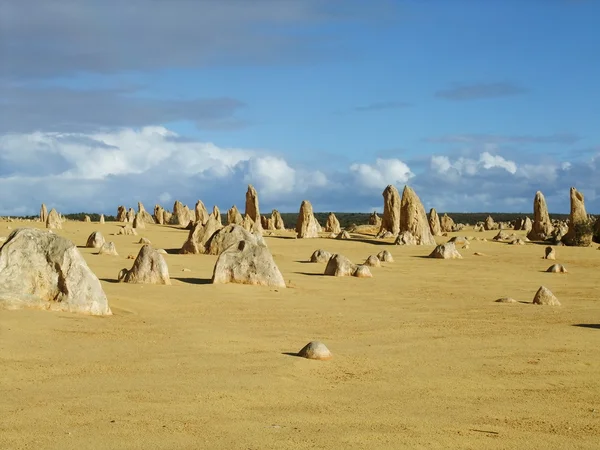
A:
(423, 356)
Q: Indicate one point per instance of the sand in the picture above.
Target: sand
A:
(423, 357)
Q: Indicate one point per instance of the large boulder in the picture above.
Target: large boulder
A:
(581, 229)
(391, 211)
(95, 240)
(199, 236)
(247, 263)
(44, 271)
(333, 224)
(53, 221)
(148, 268)
(542, 227)
(413, 218)
(234, 217)
(307, 225)
(200, 212)
(434, 223)
(231, 235)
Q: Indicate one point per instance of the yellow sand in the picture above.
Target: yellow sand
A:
(423, 356)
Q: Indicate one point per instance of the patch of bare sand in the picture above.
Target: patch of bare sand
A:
(422, 355)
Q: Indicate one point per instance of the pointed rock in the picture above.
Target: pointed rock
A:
(277, 220)
(252, 208)
(446, 251)
(413, 218)
(307, 225)
(557, 268)
(391, 211)
(53, 221)
(234, 217)
(122, 214)
(200, 212)
(580, 227)
(148, 268)
(542, 226)
(333, 224)
(199, 236)
(434, 223)
(108, 248)
(544, 297)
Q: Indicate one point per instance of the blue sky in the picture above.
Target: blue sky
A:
(476, 104)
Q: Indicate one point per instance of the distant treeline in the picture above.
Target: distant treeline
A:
(347, 219)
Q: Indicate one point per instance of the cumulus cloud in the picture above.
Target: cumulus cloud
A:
(95, 172)
(382, 173)
(468, 166)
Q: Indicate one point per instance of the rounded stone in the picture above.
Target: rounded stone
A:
(315, 350)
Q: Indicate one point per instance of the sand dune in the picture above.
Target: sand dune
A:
(423, 356)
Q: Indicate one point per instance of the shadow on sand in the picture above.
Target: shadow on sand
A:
(291, 354)
(109, 280)
(194, 280)
(595, 326)
(310, 274)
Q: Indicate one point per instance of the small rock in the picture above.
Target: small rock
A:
(550, 253)
(315, 350)
(557, 268)
(373, 261)
(385, 256)
(185, 269)
(506, 300)
(545, 297)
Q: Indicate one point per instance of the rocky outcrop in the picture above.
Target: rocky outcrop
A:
(95, 240)
(144, 215)
(434, 223)
(159, 215)
(333, 224)
(200, 212)
(340, 266)
(199, 236)
(44, 271)
(53, 221)
(374, 219)
(447, 224)
(542, 227)
(247, 263)
(148, 268)
(307, 225)
(277, 220)
(252, 207)
(43, 213)
(234, 217)
(231, 235)
(413, 218)
(391, 211)
(121, 214)
(580, 227)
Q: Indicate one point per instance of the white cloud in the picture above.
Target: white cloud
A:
(382, 173)
(468, 166)
(95, 172)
